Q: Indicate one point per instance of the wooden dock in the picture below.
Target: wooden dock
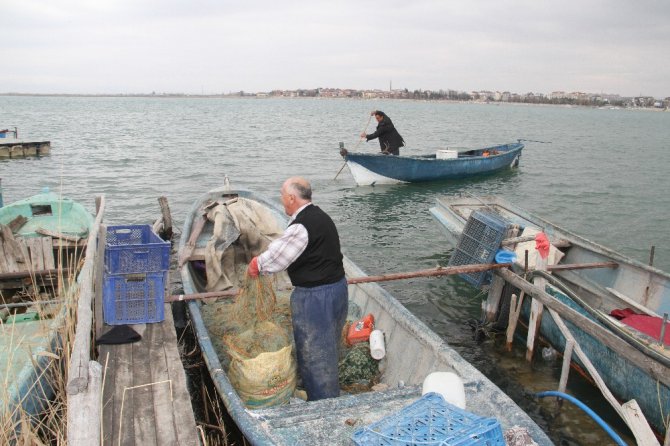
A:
(126, 394)
(145, 398)
(12, 148)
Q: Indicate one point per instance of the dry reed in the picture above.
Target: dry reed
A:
(39, 415)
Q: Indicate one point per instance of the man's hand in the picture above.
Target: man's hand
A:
(252, 269)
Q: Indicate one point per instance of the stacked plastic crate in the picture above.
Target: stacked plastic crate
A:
(136, 265)
(479, 242)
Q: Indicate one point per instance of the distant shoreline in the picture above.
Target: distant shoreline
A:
(255, 96)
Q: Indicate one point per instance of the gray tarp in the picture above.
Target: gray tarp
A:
(245, 226)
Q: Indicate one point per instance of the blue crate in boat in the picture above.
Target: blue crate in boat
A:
(431, 421)
(479, 242)
(134, 298)
(131, 249)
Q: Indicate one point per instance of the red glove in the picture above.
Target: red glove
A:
(542, 244)
(252, 270)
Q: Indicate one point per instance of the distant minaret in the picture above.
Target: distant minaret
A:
(391, 85)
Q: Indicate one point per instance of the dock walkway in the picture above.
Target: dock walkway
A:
(14, 148)
(145, 397)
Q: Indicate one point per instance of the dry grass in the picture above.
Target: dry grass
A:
(48, 347)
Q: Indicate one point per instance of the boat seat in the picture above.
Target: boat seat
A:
(197, 254)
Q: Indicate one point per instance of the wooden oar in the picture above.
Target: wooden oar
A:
(433, 272)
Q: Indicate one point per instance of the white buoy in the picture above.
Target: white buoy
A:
(377, 348)
(447, 384)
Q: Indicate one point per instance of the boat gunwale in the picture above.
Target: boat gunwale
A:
(431, 158)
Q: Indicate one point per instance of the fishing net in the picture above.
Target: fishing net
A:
(252, 334)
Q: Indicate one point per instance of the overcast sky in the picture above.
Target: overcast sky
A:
(222, 46)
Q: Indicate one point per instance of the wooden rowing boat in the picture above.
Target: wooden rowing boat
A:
(372, 169)
(634, 365)
(412, 352)
(42, 240)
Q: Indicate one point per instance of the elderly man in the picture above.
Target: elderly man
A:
(309, 250)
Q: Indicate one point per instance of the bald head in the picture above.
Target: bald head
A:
(295, 193)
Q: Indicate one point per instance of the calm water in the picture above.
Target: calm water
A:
(604, 175)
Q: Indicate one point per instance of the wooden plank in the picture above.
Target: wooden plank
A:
(68, 237)
(98, 282)
(182, 408)
(36, 253)
(164, 413)
(558, 243)
(198, 225)
(634, 416)
(124, 411)
(17, 223)
(35, 274)
(48, 252)
(4, 268)
(85, 431)
(536, 309)
(167, 218)
(11, 251)
(514, 312)
(109, 421)
(27, 264)
(141, 395)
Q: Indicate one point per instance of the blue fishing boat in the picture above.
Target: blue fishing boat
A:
(371, 169)
(413, 351)
(42, 241)
(637, 368)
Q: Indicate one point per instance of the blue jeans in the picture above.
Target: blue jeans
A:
(318, 316)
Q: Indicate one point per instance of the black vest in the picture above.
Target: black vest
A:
(321, 261)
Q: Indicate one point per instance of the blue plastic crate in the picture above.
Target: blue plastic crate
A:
(478, 243)
(135, 249)
(134, 298)
(431, 421)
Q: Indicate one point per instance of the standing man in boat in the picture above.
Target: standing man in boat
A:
(310, 250)
(390, 140)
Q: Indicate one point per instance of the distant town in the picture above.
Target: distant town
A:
(483, 96)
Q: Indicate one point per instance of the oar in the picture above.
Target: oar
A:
(357, 144)
(433, 272)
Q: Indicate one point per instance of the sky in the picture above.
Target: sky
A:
(222, 46)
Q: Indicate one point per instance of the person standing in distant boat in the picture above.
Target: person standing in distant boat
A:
(390, 140)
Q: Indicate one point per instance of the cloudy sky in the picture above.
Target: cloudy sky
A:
(222, 46)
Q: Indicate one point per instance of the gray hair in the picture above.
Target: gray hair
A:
(303, 190)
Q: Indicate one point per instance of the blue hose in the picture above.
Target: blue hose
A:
(588, 410)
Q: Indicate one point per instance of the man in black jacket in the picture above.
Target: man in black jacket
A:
(390, 140)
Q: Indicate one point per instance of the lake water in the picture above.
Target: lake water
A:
(601, 173)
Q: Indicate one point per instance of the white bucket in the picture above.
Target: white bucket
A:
(447, 384)
(377, 348)
(445, 154)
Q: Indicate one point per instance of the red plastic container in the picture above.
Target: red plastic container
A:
(360, 330)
